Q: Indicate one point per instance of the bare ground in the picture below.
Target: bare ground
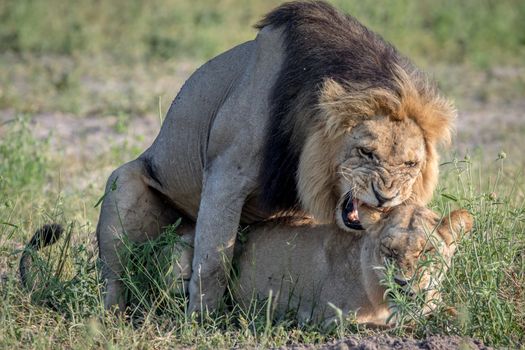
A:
(386, 342)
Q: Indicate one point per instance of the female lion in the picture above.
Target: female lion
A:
(310, 268)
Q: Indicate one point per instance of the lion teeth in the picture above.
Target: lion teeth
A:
(354, 214)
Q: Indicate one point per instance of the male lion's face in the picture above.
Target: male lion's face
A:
(377, 167)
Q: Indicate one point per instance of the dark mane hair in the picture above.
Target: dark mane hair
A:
(320, 43)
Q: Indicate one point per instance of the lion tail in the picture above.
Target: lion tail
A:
(45, 236)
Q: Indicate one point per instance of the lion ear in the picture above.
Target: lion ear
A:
(459, 221)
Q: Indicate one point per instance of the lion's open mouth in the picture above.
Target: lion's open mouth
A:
(350, 212)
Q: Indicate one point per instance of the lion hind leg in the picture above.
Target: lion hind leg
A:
(132, 209)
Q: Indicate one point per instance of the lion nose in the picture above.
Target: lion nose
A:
(381, 199)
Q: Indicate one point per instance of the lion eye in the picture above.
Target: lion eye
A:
(411, 163)
(365, 153)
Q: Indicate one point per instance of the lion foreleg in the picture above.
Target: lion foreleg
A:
(217, 223)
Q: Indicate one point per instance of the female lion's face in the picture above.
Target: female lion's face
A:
(380, 161)
(419, 246)
(410, 243)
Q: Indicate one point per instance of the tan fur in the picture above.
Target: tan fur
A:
(316, 269)
(343, 107)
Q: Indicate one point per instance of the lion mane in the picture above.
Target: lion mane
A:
(336, 74)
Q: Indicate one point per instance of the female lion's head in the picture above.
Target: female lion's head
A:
(372, 147)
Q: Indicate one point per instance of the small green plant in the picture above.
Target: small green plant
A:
(409, 304)
(486, 279)
(24, 162)
(146, 267)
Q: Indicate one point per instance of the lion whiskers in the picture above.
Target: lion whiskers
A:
(346, 175)
(357, 183)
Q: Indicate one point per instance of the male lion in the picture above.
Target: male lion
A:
(308, 266)
(316, 114)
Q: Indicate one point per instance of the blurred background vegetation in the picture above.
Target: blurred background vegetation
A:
(480, 32)
(125, 58)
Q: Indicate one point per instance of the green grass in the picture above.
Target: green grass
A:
(486, 282)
